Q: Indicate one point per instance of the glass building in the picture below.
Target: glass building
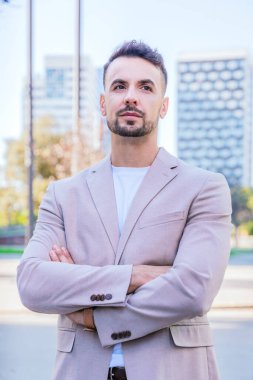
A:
(214, 114)
(53, 97)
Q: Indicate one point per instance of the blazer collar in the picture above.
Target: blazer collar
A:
(100, 183)
(162, 171)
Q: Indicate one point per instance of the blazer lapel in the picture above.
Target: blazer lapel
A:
(161, 172)
(100, 183)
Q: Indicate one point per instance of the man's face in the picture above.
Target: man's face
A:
(134, 97)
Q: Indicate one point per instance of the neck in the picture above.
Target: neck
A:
(133, 152)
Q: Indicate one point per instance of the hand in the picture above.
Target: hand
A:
(81, 317)
(60, 255)
(142, 274)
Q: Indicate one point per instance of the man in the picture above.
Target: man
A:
(131, 252)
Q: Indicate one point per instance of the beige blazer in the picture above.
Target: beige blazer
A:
(179, 217)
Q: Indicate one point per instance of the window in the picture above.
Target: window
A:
(55, 83)
(219, 65)
(207, 66)
(232, 65)
(225, 75)
(238, 74)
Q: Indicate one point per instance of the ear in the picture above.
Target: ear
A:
(164, 107)
(102, 105)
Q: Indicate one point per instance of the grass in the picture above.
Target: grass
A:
(238, 251)
(10, 250)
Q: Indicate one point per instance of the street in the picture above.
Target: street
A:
(28, 340)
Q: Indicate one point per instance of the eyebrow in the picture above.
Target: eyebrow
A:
(121, 81)
(147, 81)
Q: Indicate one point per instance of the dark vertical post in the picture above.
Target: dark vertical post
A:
(76, 141)
(30, 154)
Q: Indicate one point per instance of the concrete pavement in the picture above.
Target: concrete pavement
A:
(27, 339)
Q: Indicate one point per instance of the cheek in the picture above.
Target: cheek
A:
(112, 106)
(153, 112)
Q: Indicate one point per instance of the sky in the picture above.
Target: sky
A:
(173, 27)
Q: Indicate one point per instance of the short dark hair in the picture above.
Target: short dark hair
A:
(139, 50)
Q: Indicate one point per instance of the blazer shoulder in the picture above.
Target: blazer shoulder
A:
(77, 179)
(190, 175)
(195, 172)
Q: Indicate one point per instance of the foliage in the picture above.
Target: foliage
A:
(52, 161)
(242, 205)
(12, 206)
(248, 227)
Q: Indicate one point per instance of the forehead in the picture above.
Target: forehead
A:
(133, 69)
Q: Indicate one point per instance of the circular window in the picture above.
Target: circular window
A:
(232, 85)
(194, 66)
(213, 95)
(206, 86)
(200, 76)
(188, 77)
(213, 75)
(225, 95)
(232, 65)
(238, 74)
(219, 65)
(183, 67)
(219, 85)
(207, 66)
(226, 75)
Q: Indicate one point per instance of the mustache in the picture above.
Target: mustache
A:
(130, 109)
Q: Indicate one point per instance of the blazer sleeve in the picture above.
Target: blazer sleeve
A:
(187, 290)
(50, 287)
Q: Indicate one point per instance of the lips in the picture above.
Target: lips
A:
(130, 114)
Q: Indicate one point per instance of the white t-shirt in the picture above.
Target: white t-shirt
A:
(126, 184)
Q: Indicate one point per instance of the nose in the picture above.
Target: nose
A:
(131, 97)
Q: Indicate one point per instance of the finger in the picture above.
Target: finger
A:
(76, 317)
(67, 255)
(60, 254)
(53, 256)
(63, 258)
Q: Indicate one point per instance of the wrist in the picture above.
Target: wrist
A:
(88, 319)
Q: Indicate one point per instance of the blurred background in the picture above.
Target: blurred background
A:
(51, 65)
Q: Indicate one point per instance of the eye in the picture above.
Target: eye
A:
(146, 87)
(119, 87)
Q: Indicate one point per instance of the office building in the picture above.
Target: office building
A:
(214, 114)
(53, 97)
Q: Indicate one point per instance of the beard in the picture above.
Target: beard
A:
(126, 131)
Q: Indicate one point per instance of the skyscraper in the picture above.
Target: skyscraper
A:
(214, 114)
(53, 97)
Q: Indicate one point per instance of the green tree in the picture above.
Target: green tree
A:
(242, 206)
(52, 154)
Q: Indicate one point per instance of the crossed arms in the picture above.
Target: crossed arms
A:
(157, 297)
(141, 274)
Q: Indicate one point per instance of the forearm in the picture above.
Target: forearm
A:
(49, 287)
(181, 294)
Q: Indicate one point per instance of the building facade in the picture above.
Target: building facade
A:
(214, 114)
(53, 97)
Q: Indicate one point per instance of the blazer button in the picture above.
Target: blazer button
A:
(102, 297)
(114, 336)
(128, 334)
(121, 335)
(108, 297)
(98, 297)
(93, 297)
